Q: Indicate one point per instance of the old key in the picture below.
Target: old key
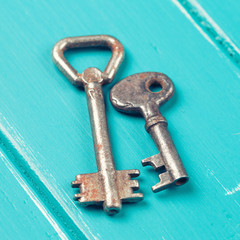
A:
(108, 186)
(133, 94)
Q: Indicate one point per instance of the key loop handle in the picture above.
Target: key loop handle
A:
(88, 41)
(133, 92)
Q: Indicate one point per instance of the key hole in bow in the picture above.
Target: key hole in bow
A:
(83, 58)
(155, 87)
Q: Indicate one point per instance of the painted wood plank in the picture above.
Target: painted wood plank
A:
(44, 120)
(23, 215)
(220, 19)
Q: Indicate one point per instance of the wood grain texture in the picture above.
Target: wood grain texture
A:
(23, 215)
(220, 21)
(45, 131)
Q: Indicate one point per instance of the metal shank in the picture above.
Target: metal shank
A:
(102, 147)
(168, 156)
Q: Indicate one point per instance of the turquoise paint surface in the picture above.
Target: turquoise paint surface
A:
(220, 20)
(23, 214)
(225, 15)
(45, 131)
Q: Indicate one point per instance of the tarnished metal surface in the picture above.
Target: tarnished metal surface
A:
(133, 94)
(108, 186)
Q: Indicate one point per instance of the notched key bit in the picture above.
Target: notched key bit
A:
(92, 189)
(155, 161)
(133, 94)
(108, 186)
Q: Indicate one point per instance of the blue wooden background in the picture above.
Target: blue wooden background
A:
(45, 132)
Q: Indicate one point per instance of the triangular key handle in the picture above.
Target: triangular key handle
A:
(88, 41)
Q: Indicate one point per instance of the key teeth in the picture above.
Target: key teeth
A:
(92, 191)
(155, 161)
(165, 182)
(134, 197)
(134, 184)
(127, 186)
(137, 197)
(90, 187)
(133, 173)
(77, 196)
(75, 184)
(147, 162)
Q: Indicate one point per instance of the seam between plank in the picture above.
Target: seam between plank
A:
(27, 172)
(211, 28)
(32, 195)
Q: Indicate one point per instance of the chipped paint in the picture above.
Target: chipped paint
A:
(233, 190)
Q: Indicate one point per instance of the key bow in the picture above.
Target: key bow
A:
(88, 41)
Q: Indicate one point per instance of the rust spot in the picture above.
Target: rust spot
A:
(99, 147)
(117, 46)
(142, 75)
(94, 193)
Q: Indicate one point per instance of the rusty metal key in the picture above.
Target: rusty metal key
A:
(133, 94)
(107, 186)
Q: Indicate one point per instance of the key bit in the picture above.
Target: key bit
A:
(133, 94)
(92, 188)
(108, 186)
(155, 161)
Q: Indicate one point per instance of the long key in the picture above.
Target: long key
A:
(133, 94)
(108, 186)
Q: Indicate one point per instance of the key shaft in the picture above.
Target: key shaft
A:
(102, 146)
(156, 126)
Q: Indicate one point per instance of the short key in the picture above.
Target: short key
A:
(133, 94)
(108, 186)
